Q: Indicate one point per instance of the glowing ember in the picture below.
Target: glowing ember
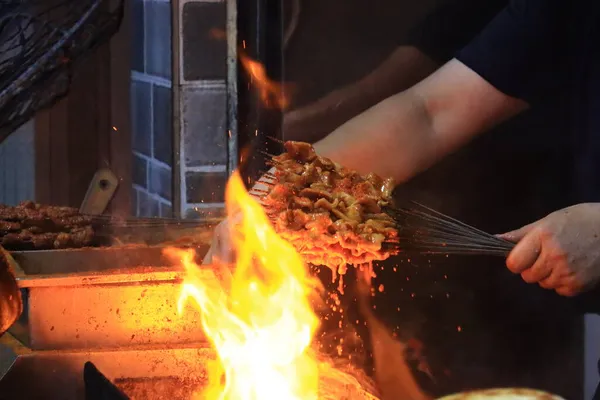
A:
(260, 320)
(272, 94)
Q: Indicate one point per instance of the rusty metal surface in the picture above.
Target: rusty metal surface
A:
(161, 388)
(26, 374)
(142, 373)
(48, 264)
(155, 231)
(109, 316)
(74, 300)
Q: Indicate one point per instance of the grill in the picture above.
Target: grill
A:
(83, 314)
(98, 387)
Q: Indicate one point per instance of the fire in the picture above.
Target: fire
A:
(272, 94)
(259, 318)
(260, 321)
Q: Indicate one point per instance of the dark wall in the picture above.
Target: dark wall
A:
(337, 42)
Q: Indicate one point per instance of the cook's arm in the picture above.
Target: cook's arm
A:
(408, 132)
(430, 44)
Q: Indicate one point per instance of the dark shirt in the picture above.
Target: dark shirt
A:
(530, 154)
(451, 26)
(532, 50)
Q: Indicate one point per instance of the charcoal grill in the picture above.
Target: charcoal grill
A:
(79, 308)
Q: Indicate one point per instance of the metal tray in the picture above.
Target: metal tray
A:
(102, 299)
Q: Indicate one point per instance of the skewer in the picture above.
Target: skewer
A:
(428, 231)
(274, 139)
(257, 190)
(268, 174)
(422, 229)
(273, 162)
(257, 198)
(266, 183)
(267, 154)
(102, 219)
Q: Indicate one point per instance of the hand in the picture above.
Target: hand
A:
(221, 249)
(560, 251)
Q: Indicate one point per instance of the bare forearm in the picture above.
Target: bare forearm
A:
(381, 140)
(408, 132)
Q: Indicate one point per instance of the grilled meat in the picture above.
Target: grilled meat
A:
(331, 214)
(32, 226)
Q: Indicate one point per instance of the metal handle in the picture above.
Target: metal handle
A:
(99, 193)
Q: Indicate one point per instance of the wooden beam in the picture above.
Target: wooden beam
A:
(120, 121)
(89, 129)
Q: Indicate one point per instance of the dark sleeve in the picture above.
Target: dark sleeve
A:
(518, 48)
(451, 26)
(588, 302)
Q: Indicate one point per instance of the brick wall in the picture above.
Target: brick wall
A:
(193, 98)
(151, 108)
(202, 104)
(17, 166)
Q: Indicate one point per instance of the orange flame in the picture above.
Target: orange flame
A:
(261, 322)
(271, 93)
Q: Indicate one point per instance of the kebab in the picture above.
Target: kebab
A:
(32, 226)
(334, 216)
